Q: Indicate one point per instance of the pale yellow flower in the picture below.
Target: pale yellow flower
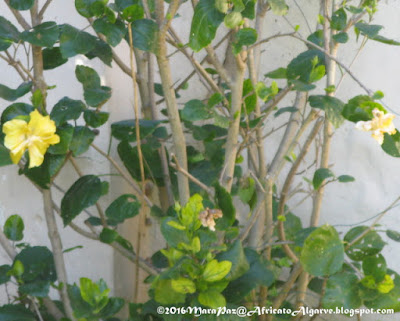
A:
(208, 216)
(379, 125)
(36, 136)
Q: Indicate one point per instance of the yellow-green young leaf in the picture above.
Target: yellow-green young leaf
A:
(279, 7)
(216, 271)
(222, 5)
(17, 269)
(212, 299)
(183, 285)
(176, 225)
(233, 19)
(386, 285)
(165, 294)
(196, 245)
(173, 255)
(191, 211)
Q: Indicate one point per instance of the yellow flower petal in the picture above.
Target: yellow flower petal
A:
(36, 136)
(16, 153)
(40, 125)
(36, 154)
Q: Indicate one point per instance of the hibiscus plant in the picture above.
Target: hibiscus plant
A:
(196, 169)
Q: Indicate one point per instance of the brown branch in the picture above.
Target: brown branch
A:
(21, 20)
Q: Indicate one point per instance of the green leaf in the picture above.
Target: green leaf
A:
(133, 13)
(102, 51)
(183, 285)
(360, 108)
(81, 140)
(393, 235)
(52, 58)
(225, 203)
(65, 133)
(391, 144)
(84, 193)
(233, 19)
(165, 294)
(95, 94)
(195, 110)
(345, 179)
(375, 265)
(95, 118)
(285, 110)
(320, 176)
(341, 37)
(216, 271)
(38, 289)
(74, 41)
(332, 106)
(5, 158)
(15, 110)
(144, 35)
(172, 235)
(280, 73)
(126, 129)
(43, 35)
(279, 7)
(114, 32)
(212, 299)
(236, 256)
(8, 34)
(66, 109)
(96, 294)
(260, 273)
(222, 6)
(14, 228)
(342, 291)
(250, 9)
(22, 5)
(37, 263)
(13, 94)
(370, 244)
(339, 20)
(108, 235)
(4, 275)
(205, 22)
(307, 66)
(368, 30)
(16, 312)
(124, 207)
(90, 8)
(130, 157)
(244, 37)
(323, 252)
(42, 175)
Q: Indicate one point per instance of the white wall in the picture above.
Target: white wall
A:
(353, 152)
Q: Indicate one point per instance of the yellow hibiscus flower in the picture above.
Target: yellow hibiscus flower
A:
(36, 136)
(379, 125)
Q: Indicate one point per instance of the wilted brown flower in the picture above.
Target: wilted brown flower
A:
(208, 216)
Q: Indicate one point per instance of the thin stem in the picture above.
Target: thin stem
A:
(124, 175)
(176, 166)
(142, 216)
(178, 137)
(56, 245)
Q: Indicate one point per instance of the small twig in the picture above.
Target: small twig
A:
(371, 227)
(278, 35)
(176, 166)
(126, 176)
(44, 8)
(21, 20)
